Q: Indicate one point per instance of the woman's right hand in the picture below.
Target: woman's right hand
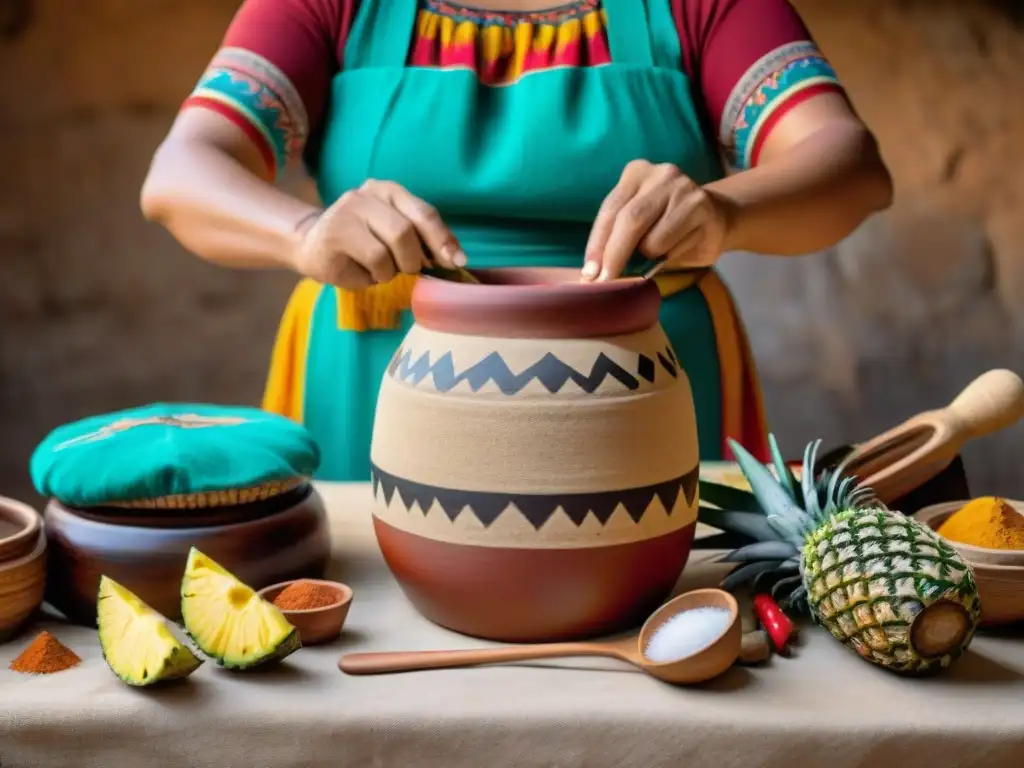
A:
(372, 234)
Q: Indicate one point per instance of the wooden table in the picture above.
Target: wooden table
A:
(825, 707)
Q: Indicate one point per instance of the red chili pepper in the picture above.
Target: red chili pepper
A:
(774, 620)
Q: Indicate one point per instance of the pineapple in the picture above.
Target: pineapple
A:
(229, 622)
(883, 584)
(137, 643)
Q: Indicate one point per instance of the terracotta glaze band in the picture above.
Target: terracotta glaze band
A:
(523, 595)
(541, 303)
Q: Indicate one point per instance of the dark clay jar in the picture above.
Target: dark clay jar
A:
(281, 538)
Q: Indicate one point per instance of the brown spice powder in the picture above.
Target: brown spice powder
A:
(45, 655)
(305, 595)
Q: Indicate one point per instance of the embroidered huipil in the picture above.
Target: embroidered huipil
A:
(515, 126)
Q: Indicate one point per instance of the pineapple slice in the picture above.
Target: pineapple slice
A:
(228, 621)
(137, 643)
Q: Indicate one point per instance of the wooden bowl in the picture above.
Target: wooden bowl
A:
(316, 625)
(262, 543)
(999, 573)
(19, 529)
(22, 565)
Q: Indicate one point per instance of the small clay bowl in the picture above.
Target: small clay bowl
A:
(315, 625)
(22, 565)
(999, 572)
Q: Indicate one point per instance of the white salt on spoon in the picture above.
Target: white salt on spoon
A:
(686, 633)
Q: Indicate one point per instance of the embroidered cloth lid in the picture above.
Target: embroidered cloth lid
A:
(170, 450)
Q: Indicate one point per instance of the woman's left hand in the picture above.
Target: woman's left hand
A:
(660, 212)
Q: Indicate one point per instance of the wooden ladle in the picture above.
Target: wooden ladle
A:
(709, 662)
(909, 455)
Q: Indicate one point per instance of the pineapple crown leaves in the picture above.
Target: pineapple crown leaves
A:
(779, 508)
(779, 515)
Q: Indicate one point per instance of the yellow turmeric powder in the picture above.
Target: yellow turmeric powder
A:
(987, 522)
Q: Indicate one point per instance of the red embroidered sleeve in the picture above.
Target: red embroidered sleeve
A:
(272, 74)
(752, 61)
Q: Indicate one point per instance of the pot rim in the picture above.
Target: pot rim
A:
(536, 302)
(30, 524)
(345, 595)
(39, 546)
(179, 519)
(63, 514)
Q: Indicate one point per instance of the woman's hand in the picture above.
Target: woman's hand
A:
(372, 234)
(660, 212)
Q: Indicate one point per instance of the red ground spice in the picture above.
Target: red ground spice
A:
(304, 595)
(45, 655)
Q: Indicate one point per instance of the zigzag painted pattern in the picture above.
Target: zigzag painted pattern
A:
(537, 508)
(550, 371)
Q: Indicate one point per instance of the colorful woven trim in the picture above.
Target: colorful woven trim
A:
(503, 47)
(554, 16)
(765, 92)
(227, 498)
(255, 94)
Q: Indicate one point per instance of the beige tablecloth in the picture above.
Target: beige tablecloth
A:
(823, 708)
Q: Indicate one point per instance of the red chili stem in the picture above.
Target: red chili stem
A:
(774, 620)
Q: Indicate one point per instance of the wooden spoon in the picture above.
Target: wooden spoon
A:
(453, 274)
(709, 662)
(904, 458)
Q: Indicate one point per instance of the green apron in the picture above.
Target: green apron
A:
(518, 172)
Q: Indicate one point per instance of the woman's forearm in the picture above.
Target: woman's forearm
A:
(220, 210)
(808, 199)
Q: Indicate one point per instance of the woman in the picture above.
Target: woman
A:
(582, 135)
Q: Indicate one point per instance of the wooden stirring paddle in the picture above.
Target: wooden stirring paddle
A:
(909, 455)
(453, 274)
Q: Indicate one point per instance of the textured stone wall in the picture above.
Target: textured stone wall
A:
(99, 310)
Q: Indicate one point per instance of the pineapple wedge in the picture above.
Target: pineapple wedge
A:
(228, 621)
(137, 643)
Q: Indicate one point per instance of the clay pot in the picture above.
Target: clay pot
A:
(282, 538)
(535, 456)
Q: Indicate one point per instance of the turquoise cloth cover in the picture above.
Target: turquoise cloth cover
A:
(166, 449)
